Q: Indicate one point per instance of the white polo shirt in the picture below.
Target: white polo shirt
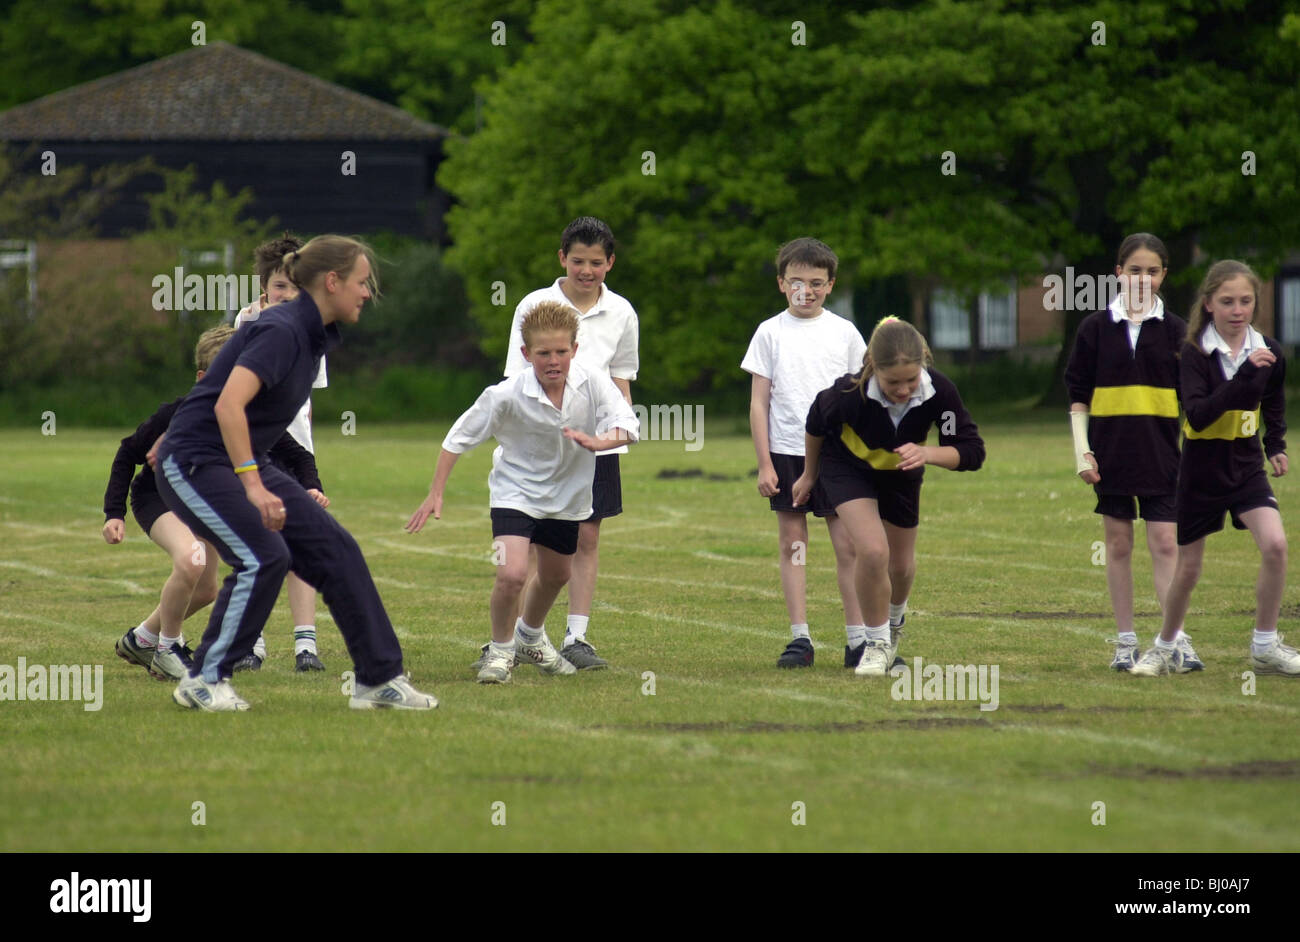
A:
(801, 356)
(608, 336)
(300, 427)
(896, 410)
(1119, 313)
(536, 469)
(1212, 342)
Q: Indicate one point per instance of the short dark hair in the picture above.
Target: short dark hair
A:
(589, 231)
(268, 258)
(810, 252)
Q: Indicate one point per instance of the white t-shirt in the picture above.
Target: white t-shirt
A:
(536, 469)
(608, 336)
(300, 427)
(801, 356)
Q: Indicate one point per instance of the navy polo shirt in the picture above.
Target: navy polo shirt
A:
(283, 347)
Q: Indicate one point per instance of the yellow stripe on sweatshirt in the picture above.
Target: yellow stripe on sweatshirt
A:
(1233, 424)
(1160, 401)
(879, 458)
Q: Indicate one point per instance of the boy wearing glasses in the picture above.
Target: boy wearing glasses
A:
(792, 357)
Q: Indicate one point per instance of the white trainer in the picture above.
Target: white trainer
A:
(544, 655)
(1279, 659)
(496, 667)
(875, 659)
(196, 693)
(397, 694)
(1156, 663)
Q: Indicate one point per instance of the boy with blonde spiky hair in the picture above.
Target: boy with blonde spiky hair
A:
(549, 420)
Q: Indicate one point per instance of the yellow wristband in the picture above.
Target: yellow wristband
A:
(250, 466)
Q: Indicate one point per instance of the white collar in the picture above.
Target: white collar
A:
(565, 299)
(532, 387)
(1119, 310)
(924, 391)
(1211, 342)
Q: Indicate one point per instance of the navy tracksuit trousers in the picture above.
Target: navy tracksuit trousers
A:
(210, 500)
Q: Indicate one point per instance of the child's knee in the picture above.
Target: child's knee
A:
(1274, 550)
(873, 555)
(1119, 547)
(511, 580)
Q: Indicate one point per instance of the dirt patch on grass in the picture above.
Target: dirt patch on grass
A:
(1255, 769)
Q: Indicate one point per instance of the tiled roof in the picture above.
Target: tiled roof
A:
(216, 92)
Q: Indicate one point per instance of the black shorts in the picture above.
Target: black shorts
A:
(898, 498)
(1198, 516)
(788, 468)
(606, 489)
(1160, 508)
(558, 535)
(148, 509)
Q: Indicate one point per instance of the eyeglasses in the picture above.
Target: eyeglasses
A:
(816, 285)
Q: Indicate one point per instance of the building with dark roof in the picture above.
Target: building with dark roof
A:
(248, 121)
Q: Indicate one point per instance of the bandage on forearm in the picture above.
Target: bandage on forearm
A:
(1079, 426)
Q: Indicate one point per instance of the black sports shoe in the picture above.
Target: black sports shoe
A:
(249, 662)
(798, 653)
(308, 661)
(853, 655)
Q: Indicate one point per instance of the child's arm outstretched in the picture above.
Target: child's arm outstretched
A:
(433, 503)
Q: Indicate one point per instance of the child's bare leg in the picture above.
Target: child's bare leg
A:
(509, 585)
(583, 564)
(532, 574)
(190, 558)
(792, 528)
(302, 601)
(1163, 543)
(1187, 571)
(845, 566)
(553, 571)
(1119, 569)
(902, 561)
(871, 551)
(1265, 526)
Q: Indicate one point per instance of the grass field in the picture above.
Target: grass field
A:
(719, 755)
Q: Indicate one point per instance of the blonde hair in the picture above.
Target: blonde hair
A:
(549, 316)
(210, 343)
(1214, 278)
(893, 342)
(329, 253)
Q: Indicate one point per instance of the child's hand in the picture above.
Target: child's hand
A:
(268, 505)
(1262, 357)
(582, 438)
(616, 437)
(1279, 464)
(115, 530)
(152, 456)
(318, 497)
(800, 490)
(432, 505)
(768, 483)
(911, 456)
(1093, 476)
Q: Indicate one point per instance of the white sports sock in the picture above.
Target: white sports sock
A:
(577, 628)
(1128, 637)
(528, 634)
(165, 643)
(1261, 641)
(857, 634)
(1164, 645)
(259, 647)
(896, 612)
(800, 631)
(144, 637)
(304, 639)
(878, 633)
(506, 648)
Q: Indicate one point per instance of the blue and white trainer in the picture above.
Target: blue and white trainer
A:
(397, 694)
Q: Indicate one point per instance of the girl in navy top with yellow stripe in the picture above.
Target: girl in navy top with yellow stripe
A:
(866, 438)
(1122, 379)
(1232, 381)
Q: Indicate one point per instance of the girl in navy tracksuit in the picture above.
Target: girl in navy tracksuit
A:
(1232, 382)
(213, 472)
(874, 426)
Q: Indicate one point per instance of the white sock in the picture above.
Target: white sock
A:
(304, 639)
(144, 637)
(165, 643)
(1128, 637)
(1164, 645)
(528, 634)
(896, 613)
(800, 631)
(259, 647)
(857, 634)
(1261, 641)
(577, 628)
(506, 647)
(878, 633)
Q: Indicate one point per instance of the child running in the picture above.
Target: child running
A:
(300, 462)
(792, 357)
(213, 472)
(548, 420)
(1231, 378)
(1122, 380)
(874, 426)
(156, 643)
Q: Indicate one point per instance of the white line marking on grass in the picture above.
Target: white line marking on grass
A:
(685, 583)
(21, 616)
(1087, 735)
(484, 557)
(27, 567)
(714, 557)
(384, 580)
